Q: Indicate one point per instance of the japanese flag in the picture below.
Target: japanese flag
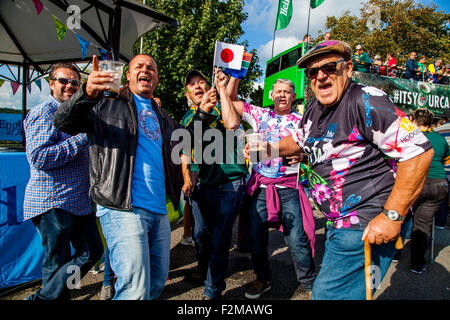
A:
(228, 55)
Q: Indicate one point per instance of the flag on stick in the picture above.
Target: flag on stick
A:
(228, 55)
(239, 74)
(284, 14)
(316, 3)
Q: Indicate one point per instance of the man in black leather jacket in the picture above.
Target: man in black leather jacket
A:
(130, 171)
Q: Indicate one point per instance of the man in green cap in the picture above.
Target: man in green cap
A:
(221, 188)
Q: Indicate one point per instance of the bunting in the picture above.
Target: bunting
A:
(39, 84)
(104, 55)
(14, 86)
(61, 28)
(84, 45)
(38, 5)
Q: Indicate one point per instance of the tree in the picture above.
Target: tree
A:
(405, 26)
(191, 45)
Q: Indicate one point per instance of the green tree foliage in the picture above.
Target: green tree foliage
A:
(191, 45)
(406, 26)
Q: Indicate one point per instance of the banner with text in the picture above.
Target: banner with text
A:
(408, 94)
(10, 127)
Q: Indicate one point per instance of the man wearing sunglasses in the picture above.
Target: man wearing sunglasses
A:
(57, 194)
(346, 133)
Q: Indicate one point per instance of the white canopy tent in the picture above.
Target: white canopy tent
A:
(29, 40)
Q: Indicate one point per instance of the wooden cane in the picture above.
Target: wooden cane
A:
(368, 264)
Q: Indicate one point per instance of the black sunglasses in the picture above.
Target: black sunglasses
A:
(327, 68)
(75, 83)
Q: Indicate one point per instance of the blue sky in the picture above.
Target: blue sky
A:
(258, 31)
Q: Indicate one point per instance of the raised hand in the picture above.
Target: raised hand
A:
(221, 79)
(97, 81)
(209, 100)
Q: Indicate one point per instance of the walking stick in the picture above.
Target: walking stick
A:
(368, 264)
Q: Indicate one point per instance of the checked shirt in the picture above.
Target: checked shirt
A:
(59, 165)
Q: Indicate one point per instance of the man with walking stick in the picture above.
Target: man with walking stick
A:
(347, 132)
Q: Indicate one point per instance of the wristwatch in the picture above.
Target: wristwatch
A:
(393, 215)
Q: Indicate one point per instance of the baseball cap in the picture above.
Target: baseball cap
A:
(195, 72)
(328, 46)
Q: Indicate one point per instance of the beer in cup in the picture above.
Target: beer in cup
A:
(115, 67)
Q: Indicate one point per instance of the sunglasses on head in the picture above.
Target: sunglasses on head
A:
(327, 68)
(75, 83)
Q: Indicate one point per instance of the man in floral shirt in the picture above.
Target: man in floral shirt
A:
(276, 196)
(346, 132)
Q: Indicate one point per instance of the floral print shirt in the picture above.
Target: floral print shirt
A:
(349, 175)
(274, 127)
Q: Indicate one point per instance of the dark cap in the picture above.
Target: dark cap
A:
(328, 46)
(192, 73)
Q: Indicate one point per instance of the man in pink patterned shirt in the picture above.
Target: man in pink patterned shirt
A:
(276, 196)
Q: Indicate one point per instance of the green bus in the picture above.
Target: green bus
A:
(283, 66)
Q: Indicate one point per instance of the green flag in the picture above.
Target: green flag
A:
(316, 3)
(61, 28)
(284, 14)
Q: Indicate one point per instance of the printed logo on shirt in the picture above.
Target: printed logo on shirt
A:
(410, 136)
(407, 125)
(148, 122)
(330, 132)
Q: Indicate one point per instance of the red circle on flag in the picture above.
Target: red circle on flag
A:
(227, 55)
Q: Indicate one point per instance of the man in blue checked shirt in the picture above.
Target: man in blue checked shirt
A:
(57, 194)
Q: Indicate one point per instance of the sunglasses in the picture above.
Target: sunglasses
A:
(64, 81)
(327, 68)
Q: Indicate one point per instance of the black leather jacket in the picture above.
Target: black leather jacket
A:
(111, 126)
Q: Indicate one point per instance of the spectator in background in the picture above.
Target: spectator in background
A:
(411, 66)
(391, 65)
(433, 193)
(376, 65)
(361, 60)
(307, 38)
(435, 70)
(420, 75)
(57, 194)
(446, 78)
(444, 130)
(327, 36)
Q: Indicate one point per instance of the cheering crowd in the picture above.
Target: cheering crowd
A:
(115, 159)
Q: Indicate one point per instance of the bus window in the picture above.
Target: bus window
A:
(290, 59)
(273, 67)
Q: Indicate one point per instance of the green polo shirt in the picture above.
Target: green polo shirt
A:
(220, 172)
(441, 152)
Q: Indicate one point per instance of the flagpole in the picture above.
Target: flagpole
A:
(142, 38)
(275, 28)
(309, 15)
(214, 63)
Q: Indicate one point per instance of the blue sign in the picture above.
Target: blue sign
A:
(10, 127)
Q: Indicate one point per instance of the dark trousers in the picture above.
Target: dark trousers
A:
(294, 235)
(433, 194)
(60, 269)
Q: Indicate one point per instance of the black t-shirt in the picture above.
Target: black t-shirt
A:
(349, 176)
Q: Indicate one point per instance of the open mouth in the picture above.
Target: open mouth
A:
(324, 88)
(145, 81)
(199, 94)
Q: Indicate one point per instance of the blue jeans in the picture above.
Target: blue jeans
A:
(294, 235)
(342, 274)
(108, 274)
(59, 229)
(139, 244)
(213, 223)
